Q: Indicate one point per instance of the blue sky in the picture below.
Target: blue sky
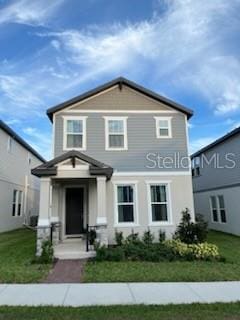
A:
(187, 50)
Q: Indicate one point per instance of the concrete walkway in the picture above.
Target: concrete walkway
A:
(118, 293)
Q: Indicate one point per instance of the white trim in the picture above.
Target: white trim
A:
(169, 222)
(101, 220)
(43, 223)
(169, 120)
(18, 200)
(118, 111)
(53, 136)
(150, 173)
(84, 133)
(125, 138)
(135, 223)
(218, 209)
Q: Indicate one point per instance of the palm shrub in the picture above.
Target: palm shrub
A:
(148, 237)
(119, 238)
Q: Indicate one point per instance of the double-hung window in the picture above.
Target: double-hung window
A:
(218, 210)
(163, 127)
(126, 204)
(17, 203)
(75, 133)
(159, 212)
(116, 133)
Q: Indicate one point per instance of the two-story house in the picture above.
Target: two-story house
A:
(19, 189)
(216, 182)
(120, 163)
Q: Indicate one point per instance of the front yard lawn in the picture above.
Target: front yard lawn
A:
(132, 271)
(177, 312)
(17, 249)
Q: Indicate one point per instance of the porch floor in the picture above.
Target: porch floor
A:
(72, 249)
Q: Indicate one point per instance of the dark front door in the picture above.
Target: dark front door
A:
(74, 211)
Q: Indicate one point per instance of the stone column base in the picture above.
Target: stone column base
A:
(43, 234)
(102, 236)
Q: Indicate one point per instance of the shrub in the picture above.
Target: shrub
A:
(47, 253)
(190, 232)
(148, 237)
(119, 238)
(161, 236)
(201, 251)
(133, 238)
(104, 253)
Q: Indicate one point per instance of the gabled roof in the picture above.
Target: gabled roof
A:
(120, 81)
(216, 142)
(17, 138)
(96, 167)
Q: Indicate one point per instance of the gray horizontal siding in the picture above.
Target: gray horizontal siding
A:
(142, 140)
(212, 177)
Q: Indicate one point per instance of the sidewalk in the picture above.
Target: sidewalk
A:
(118, 293)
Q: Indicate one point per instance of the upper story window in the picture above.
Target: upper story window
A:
(74, 133)
(116, 133)
(10, 144)
(196, 167)
(163, 127)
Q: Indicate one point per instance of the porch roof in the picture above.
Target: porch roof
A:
(50, 167)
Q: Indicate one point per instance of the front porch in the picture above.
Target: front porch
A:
(72, 198)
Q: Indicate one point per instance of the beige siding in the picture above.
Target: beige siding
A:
(14, 170)
(126, 99)
(180, 198)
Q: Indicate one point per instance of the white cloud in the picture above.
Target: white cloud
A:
(29, 12)
(183, 46)
(197, 144)
(41, 141)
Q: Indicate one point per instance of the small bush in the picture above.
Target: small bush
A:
(201, 251)
(190, 232)
(119, 238)
(133, 238)
(161, 236)
(46, 256)
(104, 253)
(148, 237)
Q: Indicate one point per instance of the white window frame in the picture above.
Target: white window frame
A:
(219, 217)
(133, 184)
(169, 120)
(169, 203)
(84, 133)
(17, 202)
(125, 146)
(10, 144)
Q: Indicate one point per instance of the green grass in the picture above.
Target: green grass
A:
(229, 247)
(17, 249)
(177, 312)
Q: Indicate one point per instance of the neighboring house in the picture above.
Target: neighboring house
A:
(19, 189)
(216, 183)
(109, 147)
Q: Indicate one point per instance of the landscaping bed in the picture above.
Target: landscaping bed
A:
(140, 271)
(17, 251)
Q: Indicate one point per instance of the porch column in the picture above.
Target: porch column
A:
(101, 211)
(43, 228)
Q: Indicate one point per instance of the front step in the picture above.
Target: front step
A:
(74, 255)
